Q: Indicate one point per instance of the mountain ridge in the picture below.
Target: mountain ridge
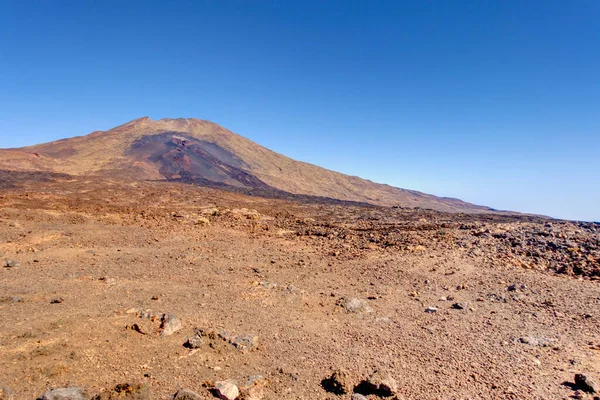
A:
(194, 150)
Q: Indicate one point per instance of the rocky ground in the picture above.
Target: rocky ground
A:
(137, 291)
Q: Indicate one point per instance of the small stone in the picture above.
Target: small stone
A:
(339, 382)
(227, 390)
(535, 341)
(56, 300)
(71, 393)
(358, 396)
(512, 288)
(356, 306)
(9, 263)
(202, 221)
(443, 298)
(586, 383)
(194, 342)
(136, 328)
(459, 306)
(431, 309)
(125, 391)
(169, 324)
(382, 384)
(185, 394)
(245, 342)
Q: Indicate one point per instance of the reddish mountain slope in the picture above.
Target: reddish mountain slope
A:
(192, 150)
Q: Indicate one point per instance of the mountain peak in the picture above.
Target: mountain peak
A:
(198, 151)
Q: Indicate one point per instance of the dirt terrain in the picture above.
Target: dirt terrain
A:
(164, 286)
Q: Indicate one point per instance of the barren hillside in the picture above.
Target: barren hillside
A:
(201, 152)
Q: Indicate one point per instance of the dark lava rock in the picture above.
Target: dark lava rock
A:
(459, 306)
(585, 383)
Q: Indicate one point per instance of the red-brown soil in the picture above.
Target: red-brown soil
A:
(90, 250)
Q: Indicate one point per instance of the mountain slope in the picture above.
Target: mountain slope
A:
(192, 150)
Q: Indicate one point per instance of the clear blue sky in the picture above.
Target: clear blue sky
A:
(494, 102)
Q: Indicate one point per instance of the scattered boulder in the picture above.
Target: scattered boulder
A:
(136, 328)
(70, 393)
(126, 391)
(212, 211)
(13, 299)
(355, 306)
(535, 341)
(339, 382)
(459, 306)
(195, 341)
(380, 384)
(169, 324)
(185, 394)
(227, 390)
(202, 221)
(358, 396)
(586, 384)
(431, 310)
(244, 342)
(9, 263)
(245, 213)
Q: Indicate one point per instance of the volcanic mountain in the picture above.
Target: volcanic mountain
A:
(202, 152)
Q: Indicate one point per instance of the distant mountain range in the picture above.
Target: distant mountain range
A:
(204, 153)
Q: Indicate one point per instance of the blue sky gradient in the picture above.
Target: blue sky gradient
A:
(493, 102)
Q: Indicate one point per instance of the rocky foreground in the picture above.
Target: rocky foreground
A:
(116, 290)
